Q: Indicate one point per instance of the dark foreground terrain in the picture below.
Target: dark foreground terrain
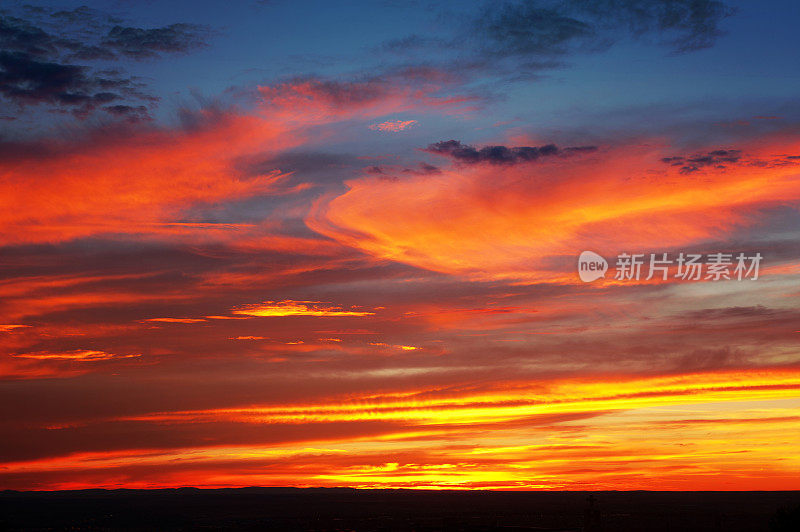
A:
(389, 510)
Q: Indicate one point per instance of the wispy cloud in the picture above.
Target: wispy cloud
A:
(296, 308)
(393, 126)
(80, 355)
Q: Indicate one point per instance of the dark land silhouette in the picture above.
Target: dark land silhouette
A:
(342, 509)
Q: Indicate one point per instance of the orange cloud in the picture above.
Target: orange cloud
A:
(492, 221)
(80, 355)
(142, 181)
(401, 347)
(296, 308)
(136, 184)
(12, 327)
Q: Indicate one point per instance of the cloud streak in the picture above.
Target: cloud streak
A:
(296, 308)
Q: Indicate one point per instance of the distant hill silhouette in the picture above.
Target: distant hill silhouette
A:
(345, 509)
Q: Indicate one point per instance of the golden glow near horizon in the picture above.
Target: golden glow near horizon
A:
(671, 432)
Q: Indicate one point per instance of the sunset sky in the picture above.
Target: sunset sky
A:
(336, 244)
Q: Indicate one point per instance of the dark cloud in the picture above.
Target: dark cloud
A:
(716, 158)
(133, 113)
(542, 28)
(43, 56)
(525, 29)
(683, 25)
(521, 38)
(27, 80)
(89, 34)
(501, 154)
(140, 43)
(723, 158)
(19, 35)
(80, 16)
